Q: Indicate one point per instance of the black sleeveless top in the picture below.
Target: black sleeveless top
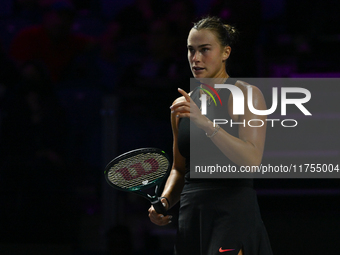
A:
(198, 137)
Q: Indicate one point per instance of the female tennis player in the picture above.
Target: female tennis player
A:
(216, 215)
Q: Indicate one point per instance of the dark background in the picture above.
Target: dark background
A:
(84, 81)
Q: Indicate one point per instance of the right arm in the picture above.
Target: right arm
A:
(175, 181)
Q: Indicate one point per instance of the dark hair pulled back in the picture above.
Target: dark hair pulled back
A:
(226, 34)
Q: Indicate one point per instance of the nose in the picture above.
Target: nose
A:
(196, 57)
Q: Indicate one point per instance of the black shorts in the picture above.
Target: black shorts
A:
(221, 221)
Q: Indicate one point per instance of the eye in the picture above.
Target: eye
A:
(191, 50)
(205, 49)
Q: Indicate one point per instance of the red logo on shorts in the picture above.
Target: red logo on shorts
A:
(221, 250)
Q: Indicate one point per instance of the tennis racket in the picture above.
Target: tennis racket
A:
(138, 170)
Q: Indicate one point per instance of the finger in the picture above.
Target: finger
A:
(164, 221)
(156, 216)
(181, 109)
(153, 214)
(160, 223)
(185, 94)
(180, 104)
(183, 115)
(160, 219)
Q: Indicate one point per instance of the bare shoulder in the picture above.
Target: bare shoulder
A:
(258, 99)
(244, 87)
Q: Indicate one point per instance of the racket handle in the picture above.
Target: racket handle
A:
(159, 206)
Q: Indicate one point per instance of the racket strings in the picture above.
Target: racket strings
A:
(138, 170)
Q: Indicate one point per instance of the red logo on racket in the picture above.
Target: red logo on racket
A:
(139, 169)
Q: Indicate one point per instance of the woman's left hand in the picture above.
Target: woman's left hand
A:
(188, 109)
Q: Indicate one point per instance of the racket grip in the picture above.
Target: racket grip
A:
(159, 206)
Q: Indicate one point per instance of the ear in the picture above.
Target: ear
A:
(226, 53)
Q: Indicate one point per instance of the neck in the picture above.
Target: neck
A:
(213, 81)
(218, 78)
(221, 75)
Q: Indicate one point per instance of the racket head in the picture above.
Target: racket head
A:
(138, 169)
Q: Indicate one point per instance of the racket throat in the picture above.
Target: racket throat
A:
(153, 199)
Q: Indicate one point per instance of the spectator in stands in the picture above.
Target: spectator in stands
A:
(51, 42)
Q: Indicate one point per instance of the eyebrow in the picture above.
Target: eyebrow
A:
(200, 46)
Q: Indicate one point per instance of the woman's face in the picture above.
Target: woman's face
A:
(206, 55)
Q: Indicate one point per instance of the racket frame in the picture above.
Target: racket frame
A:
(155, 200)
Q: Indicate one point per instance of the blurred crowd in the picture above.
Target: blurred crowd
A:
(59, 58)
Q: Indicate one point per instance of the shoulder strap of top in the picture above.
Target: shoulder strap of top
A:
(195, 94)
(194, 90)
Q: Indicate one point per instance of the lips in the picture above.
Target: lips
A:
(197, 68)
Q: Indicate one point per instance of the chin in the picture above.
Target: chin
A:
(199, 76)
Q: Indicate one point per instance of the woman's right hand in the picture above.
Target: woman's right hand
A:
(187, 108)
(160, 219)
